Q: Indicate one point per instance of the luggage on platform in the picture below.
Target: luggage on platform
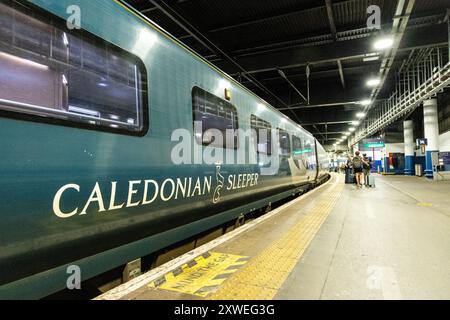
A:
(350, 178)
(371, 181)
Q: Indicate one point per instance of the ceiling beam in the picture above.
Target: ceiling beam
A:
(330, 52)
(327, 123)
(341, 73)
(144, 11)
(299, 77)
(334, 133)
(319, 39)
(260, 20)
(334, 104)
(331, 19)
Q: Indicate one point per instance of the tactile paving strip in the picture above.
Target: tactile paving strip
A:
(263, 276)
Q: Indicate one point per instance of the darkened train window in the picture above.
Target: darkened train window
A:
(213, 114)
(67, 77)
(285, 143)
(263, 136)
(297, 145)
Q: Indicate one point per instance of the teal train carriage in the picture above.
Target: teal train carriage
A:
(87, 120)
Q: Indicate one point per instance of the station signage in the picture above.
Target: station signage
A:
(371, 145)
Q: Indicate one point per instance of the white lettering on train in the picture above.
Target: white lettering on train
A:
(146, 192)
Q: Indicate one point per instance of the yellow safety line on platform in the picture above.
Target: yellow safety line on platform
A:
(263, 276)
(424, 204)
(202, 275)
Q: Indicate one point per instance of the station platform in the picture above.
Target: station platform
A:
(335, 242)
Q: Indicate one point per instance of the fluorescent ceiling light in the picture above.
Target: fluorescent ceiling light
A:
(355, 123)
(84, 111)
(65, 39)
(368, 59)
(384, 43)
(351, 129)
(365, 102)
(373, 82)
(360, 115)
(23, 61)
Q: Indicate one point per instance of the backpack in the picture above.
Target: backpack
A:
(368, 165)
(357, 163)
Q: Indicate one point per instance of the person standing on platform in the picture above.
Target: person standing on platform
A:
(358, 166)
(367, 167)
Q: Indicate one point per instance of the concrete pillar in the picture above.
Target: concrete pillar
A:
(408, 131)
(431, 125)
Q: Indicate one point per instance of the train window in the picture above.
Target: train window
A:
(214, 114)
(262, 135)
(285, 143)
(297, 145)
(67, 77)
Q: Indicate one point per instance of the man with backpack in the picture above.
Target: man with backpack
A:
(358, 167)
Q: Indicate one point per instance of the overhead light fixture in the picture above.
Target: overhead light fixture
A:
(384, 43)
(374, 58)
(65, 39)
(22, 60)
(84, 111)
(64, 80)
(360, 115)
(373, 82)
(352, 129)
(355, 123)
(347, 134)
(365, 102)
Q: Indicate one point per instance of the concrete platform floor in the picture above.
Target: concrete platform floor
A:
(391, 242)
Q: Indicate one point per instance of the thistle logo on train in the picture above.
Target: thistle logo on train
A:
(149, 191)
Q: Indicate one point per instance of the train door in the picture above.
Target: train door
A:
(298, 161)
(285, 152)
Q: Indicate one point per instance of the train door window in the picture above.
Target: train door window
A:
(297, 146)
(215, 116)
(51, 74)
(261, 130)
(285, 143)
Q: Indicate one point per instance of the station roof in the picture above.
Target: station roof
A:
(254, 40)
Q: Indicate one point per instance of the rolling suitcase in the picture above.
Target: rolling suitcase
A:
(371, 181)
(350, 178)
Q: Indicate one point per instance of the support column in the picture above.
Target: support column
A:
(431, 125)
(408, 131)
